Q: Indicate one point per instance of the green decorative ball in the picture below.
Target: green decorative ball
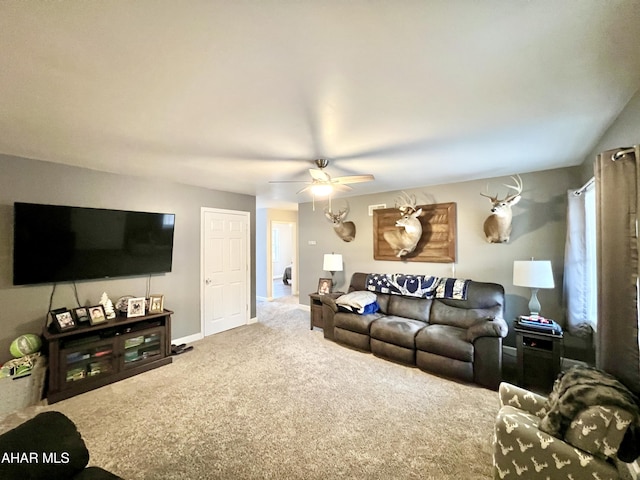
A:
(25, 345)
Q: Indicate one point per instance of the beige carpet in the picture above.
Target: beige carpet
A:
(275, 400)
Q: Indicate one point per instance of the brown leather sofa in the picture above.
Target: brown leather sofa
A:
(455, 338)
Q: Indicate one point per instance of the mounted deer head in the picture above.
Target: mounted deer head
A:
(497, 226)
(345, 230)
(405, 241)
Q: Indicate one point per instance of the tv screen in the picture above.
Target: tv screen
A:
(58, 243)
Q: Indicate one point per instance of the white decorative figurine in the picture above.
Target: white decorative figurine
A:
(106, 302)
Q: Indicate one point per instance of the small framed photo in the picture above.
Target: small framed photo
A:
(81, 314)
(156, 303)
(63, 319)
(135, 307)
(96, 315)
(324, 286)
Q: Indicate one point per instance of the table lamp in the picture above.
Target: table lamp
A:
(534, 274)
(332, 263)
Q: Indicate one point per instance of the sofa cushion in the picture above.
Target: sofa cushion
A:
(599, 430)
(446, 341)
(383, 302)
(397, 330)
(354, 322)
(444, 314)
(409, 307)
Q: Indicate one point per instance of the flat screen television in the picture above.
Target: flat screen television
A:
(54, 243)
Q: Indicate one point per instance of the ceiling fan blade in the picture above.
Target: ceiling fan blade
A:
(320, 175)
(308, 187)
(288, 181)
(353, 179)
(340, 187)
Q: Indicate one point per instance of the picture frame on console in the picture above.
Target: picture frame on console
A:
(156, 303)
(63, 319)
(97, 315)
(136, 307)
(81, 314)
(325, 285)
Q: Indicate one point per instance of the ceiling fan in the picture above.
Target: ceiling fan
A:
(322, 184)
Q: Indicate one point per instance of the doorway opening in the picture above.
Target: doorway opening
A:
(283, 256)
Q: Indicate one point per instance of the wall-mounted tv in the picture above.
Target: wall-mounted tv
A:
(54, 243)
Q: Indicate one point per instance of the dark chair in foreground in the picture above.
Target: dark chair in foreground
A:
(47, 447)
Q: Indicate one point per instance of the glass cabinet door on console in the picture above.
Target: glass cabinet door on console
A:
(140, 348)
(82, 363)
(89, 357)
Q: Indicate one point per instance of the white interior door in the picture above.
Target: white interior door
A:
(225, 270)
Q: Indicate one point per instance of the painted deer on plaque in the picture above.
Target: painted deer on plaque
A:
(345, 230)
(497, 226)
(405, 240)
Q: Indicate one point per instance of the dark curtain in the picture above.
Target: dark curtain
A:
(617, 350)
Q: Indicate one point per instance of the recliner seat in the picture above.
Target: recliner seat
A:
(461, 339)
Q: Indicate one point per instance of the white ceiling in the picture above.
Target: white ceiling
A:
(232, 94)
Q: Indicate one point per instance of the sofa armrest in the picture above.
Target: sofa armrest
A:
(491, 327)
(522, 399)
(330, 302)
(329, 309)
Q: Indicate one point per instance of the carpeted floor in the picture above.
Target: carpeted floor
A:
(276, 400)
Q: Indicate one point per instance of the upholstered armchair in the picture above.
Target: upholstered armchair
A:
(587, 449)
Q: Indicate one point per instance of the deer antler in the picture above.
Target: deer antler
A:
(406, 203)
(493, 199)
(336, 217)
(517, 187)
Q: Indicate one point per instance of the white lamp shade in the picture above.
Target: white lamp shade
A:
(332, 262)
(533, 273)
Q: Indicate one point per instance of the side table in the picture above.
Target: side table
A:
(315, 301)
(540, 354)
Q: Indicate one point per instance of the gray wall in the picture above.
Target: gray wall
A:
(624, 132)
(23, 309)
(539, 230)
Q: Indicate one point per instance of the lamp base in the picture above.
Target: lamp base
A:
(534, 303)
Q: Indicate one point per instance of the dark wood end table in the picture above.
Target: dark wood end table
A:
(540, 354)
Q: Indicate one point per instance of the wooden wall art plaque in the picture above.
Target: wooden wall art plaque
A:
(437, 243)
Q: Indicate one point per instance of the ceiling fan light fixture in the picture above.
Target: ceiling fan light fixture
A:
(321, 190)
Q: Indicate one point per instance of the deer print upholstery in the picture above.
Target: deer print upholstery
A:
(522, 451)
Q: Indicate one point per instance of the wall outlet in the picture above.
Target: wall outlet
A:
(311, 242)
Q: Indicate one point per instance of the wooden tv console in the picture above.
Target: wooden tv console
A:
(89, 357)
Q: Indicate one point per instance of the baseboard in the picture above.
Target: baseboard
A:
(566, 362)
(252, 320)
(188, 339)
(304, 307)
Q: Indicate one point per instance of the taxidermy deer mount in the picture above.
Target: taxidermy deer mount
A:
(345, 230)
(497, 226)
(404, 241)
